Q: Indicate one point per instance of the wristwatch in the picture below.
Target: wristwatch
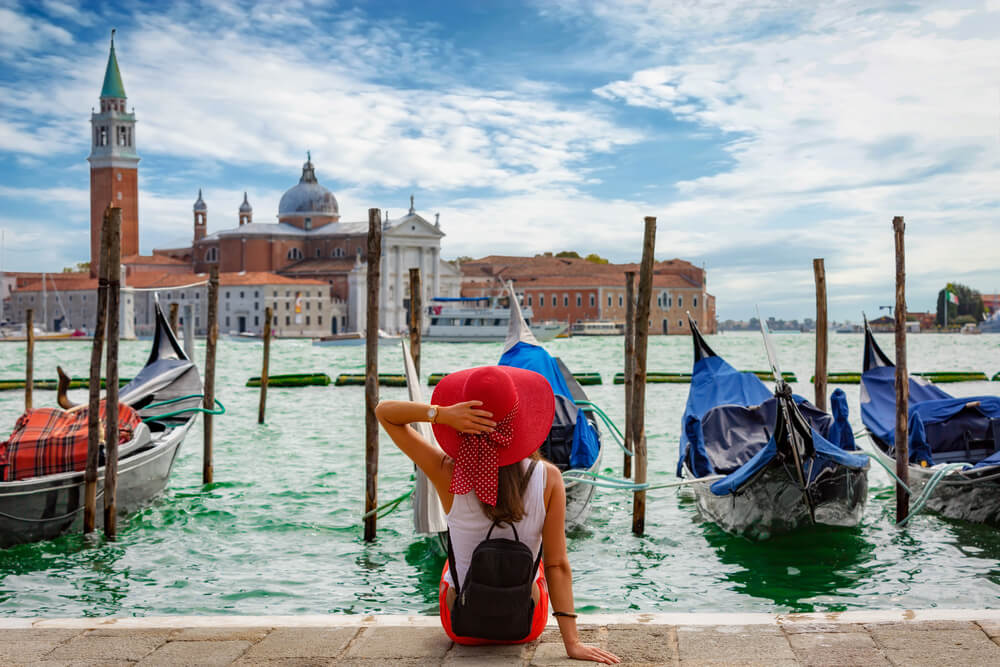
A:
(432, 414)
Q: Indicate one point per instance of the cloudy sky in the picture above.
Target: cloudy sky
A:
(760, 134)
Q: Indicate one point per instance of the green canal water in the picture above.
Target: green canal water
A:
(280, 530)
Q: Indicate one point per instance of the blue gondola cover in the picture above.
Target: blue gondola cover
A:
(586, 442)
(729, 415)
(930, 408)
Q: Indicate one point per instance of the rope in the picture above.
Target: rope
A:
(925, 495)
(605, 482)
(616, 434)
(389, 507)
(220, 411)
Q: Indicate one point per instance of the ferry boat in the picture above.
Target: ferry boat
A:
(597, 328)
(479, 319)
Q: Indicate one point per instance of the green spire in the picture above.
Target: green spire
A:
(112, 77)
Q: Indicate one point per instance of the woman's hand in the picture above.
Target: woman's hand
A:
(580, 651)
(466, 417)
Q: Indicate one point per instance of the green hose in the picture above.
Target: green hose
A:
(220, 411)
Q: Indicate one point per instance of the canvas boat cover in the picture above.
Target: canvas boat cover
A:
(729, 423)
(47, 441)
(942, 428)
(573, 441)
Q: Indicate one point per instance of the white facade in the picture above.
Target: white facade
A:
(409, 242)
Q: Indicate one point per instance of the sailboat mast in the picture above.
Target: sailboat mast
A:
(45, 304)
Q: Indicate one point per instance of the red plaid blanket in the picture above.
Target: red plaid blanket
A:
(49, 440)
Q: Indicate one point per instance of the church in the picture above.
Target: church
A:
(308, 244)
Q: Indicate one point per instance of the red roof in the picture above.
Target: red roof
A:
(151, 259)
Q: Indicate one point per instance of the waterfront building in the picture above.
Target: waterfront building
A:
(572, 290)
(309, 245)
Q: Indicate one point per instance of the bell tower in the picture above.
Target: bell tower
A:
(113, 164)
(200, 218)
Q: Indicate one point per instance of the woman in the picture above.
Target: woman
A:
(489, 422)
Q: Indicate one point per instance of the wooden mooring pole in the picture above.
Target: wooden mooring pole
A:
(902, 379)
(263, 370)
(211, 339)
(174, 310)
(374, 260)
(111, 390)
(819, 383)
(639, 374)
(93, 407)
(629, 369)
(416, 322)
(29, 361)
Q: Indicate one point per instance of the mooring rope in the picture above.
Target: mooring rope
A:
(605, 482)
(616, 434)
(221, 410)
(389, 507)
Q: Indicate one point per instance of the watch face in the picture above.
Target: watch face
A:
(432, 413)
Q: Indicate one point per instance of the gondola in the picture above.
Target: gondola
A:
(771, 463)
(574, 443)
(166, 395)
(944, 433)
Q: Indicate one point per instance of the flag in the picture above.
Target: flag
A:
(951, 297)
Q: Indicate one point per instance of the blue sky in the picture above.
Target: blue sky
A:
(761, 134)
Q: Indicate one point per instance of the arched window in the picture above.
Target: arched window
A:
(294, 253)
(337, 252)
(212, 255)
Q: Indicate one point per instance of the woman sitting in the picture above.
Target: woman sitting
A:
(506, 507)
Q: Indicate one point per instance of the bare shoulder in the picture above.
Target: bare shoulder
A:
(553, 477)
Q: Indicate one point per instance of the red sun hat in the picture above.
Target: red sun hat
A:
(522, 404)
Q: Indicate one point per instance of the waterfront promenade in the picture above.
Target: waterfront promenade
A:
(901, 637)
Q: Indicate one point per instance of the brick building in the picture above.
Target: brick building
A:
(307, 247)
(574, 290)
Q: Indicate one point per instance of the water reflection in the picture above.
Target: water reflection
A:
(427, 558)
(794, 570)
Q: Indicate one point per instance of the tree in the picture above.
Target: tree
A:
(569, 253)
(970, 302)
(595, 258)
(80, 267)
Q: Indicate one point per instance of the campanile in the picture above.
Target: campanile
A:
(113, 164)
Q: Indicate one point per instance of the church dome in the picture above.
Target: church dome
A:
(308, 197)
(245, 207)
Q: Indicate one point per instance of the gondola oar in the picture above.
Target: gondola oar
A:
(792, 427)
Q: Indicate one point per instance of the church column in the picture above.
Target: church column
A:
(436, 270)
(384, 287)
(397, 305)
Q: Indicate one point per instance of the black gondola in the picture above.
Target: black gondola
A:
(165, 393)
(944, 431)
(771, 462)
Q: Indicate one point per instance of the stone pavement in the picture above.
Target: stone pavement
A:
(912, 638)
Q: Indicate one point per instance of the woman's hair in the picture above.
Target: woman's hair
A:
(512, 483)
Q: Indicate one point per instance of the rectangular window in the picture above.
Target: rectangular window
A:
(541, 300)
(256, 320)
(529, 299)
(241, 294)
(555, 302)
(275, 323)
(227, 320)
(609, 301)
(621, 300)
(319, 320)
(197, 321)
(288, 321)
(288, 305)
(307, 305)
(670, 300)
(256, 305)
(307, 320)
(579, 300)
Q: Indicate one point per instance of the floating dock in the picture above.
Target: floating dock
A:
(898, 637)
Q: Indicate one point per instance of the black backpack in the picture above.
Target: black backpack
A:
(494, 602)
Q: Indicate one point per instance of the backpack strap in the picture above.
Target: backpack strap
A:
(452, 567)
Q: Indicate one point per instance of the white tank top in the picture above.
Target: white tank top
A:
(468, 524)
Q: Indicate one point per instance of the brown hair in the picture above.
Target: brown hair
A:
(511, 485)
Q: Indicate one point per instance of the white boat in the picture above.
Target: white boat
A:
(483, 319)
(597, 328)
(354, 338)
(991, 324)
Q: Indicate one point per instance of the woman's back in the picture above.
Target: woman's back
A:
(468, 524)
